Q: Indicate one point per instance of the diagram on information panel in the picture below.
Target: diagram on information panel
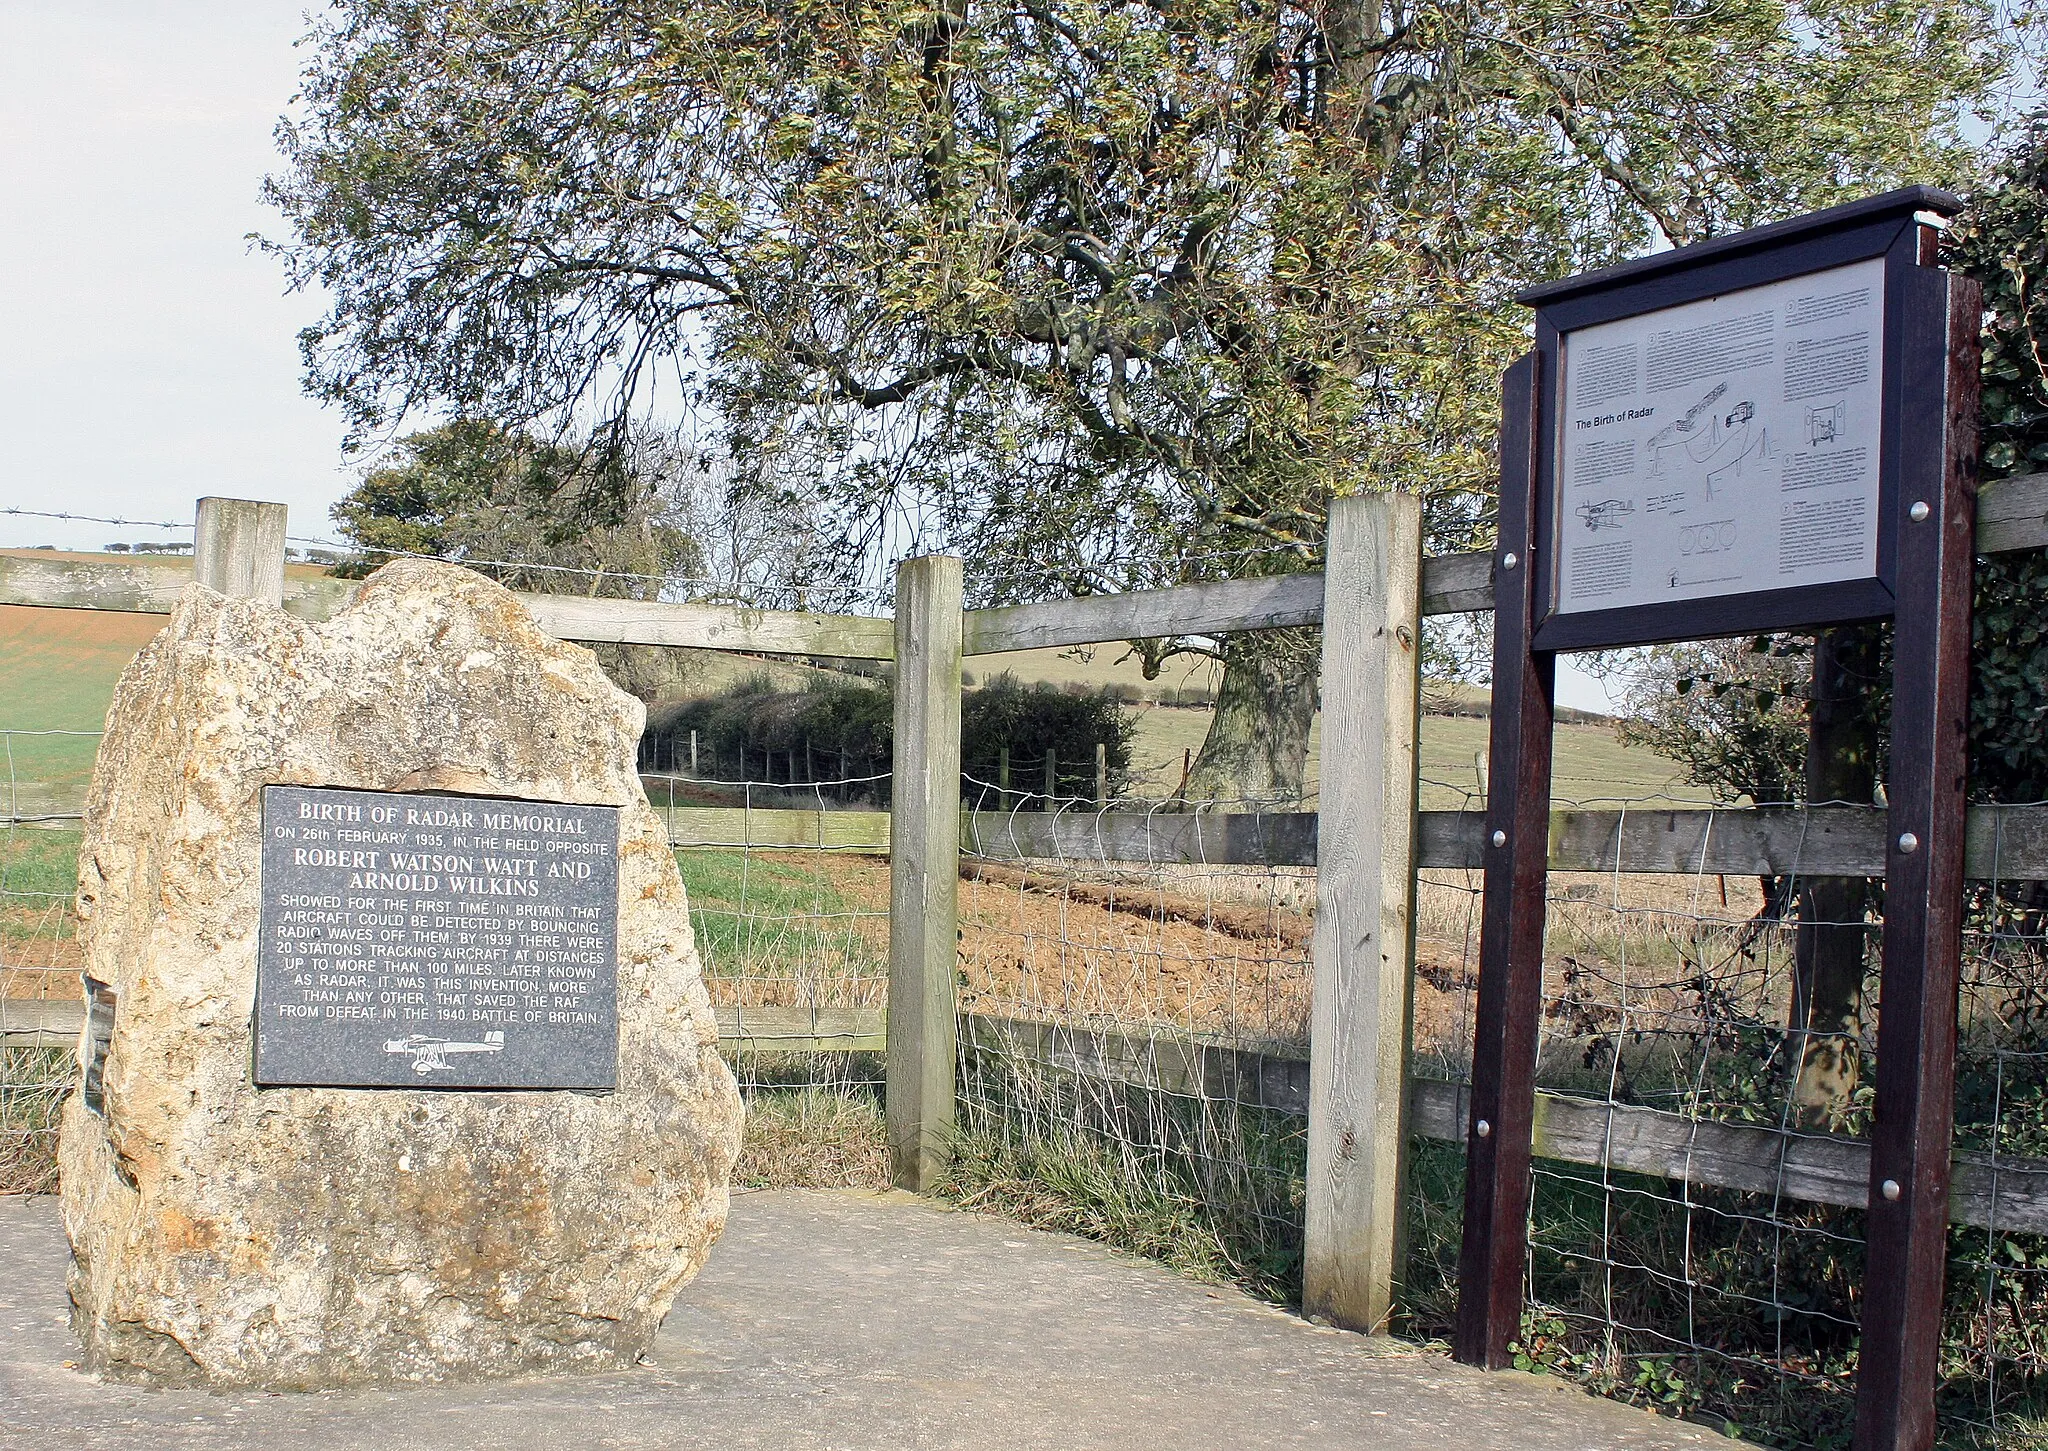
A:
(1720, 444)
(1709, 538)
(1607, 514)
(1824, 423)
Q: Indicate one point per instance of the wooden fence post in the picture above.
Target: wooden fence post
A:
(1365, 919)
(1101, 774)
(924, 869)
(1052, 780)
(238, 548)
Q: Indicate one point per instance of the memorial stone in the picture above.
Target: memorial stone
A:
(401, 1066)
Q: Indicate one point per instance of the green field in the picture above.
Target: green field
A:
(777, 931)
(57, 673)
(1590, 765)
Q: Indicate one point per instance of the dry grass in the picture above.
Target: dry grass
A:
(814, 1138)
(33, 1086)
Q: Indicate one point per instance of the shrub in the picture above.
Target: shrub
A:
(1034, 719)
(757, 731)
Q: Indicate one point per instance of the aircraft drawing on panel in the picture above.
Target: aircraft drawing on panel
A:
(1607, 514)
(429, 1054)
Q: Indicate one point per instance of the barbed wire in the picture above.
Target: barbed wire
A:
(95, 519)
(733, 592)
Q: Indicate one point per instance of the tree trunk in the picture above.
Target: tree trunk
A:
(1829, 949)
(1255, 756)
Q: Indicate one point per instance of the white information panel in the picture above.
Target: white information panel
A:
(1723, 447)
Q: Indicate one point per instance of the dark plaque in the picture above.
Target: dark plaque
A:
(414, 941)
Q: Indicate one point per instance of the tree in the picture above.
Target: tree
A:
(1103, 295)
(2003, 243)
(533, 517)
(1732, 712)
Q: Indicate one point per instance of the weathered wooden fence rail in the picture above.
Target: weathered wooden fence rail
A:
(2010, 1194)
(1752, 1158)
(1379, 598)
(2006, 843)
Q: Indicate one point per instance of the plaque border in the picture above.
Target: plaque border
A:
(610, 1085)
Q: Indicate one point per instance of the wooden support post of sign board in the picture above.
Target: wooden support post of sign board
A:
(1365, 920)
(1502, 1118)
(924, 869)
(1907, 1228)
(238, 548)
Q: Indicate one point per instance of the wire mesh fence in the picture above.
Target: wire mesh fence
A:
(1670, 993)
(794, 942)
(1129, 1028)
(1133, 1066)
(1117, 1016)
(39, 963)
(1996, 1350)
(1691, 997)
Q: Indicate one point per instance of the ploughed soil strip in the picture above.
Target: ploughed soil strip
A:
(1253, 924)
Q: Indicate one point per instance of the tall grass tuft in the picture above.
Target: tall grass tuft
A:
(814, 1121)
(1213, 1189)
(33, 1085)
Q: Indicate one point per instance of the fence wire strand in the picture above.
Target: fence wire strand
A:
(39, 964)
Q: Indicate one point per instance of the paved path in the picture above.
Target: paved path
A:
(845, 1321)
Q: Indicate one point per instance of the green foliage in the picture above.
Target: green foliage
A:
(849, 723)
(2003, 243)
(542, 517)
(531, 515)
(1107, 288)
(1732, 712)
(755, 726)
(1033, 719)
(1100, 296)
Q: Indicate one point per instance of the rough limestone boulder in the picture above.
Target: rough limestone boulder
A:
(304, 1237)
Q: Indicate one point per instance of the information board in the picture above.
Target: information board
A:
(424, 941)
(1725, 446)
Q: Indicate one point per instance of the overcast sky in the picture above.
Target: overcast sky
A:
(147, 355)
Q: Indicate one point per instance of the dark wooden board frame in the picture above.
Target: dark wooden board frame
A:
(1928, 452)
(1881, 227)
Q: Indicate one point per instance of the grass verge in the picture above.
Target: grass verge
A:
(33, 1086)
(1214, 1190)
(814, 1121)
